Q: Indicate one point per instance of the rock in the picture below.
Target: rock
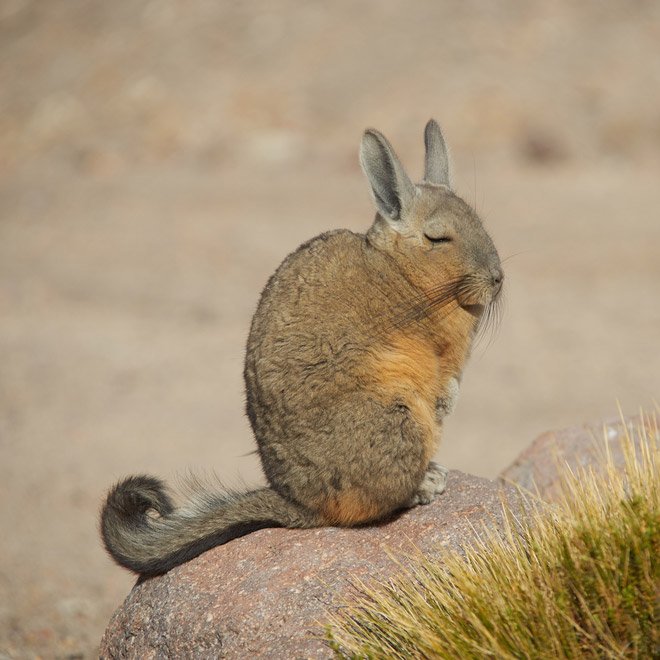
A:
(541, 465)
(267, 594)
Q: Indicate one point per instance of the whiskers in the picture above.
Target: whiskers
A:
(446, 298)
(423, 305)
(490, 320)
(515, 254)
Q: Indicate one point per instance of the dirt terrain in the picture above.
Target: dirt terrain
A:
(158, 159)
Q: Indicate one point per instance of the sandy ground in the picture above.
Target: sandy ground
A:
(159, 159)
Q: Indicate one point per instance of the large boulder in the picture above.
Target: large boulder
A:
(267, 594)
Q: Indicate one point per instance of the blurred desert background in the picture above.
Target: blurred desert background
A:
(159, 158)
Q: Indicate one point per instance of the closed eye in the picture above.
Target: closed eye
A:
(438, 239)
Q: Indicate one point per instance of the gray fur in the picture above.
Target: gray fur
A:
(436, 162)
(392, 190)
(446, 403)
(353, 361)
(434, 483)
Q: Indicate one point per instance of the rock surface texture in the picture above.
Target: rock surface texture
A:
(267, 594)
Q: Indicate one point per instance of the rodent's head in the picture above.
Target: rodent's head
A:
(436, 239)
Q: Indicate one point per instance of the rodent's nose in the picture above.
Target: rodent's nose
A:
(496, 277)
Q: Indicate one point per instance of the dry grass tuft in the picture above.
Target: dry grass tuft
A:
(579, 580)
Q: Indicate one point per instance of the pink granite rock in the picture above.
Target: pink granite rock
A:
(541, 465)
(267, 594)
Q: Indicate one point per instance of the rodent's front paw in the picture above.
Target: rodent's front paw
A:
(446, 403)
(434, 483)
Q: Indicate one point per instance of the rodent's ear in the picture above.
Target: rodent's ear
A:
(392, 190)
(436, 164)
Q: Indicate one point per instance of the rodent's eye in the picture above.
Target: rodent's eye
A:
(436, 240)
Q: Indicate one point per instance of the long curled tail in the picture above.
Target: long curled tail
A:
(142, 530)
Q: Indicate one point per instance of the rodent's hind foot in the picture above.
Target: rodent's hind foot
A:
(434, 483)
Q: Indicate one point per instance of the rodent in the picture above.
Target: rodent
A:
(353, 360)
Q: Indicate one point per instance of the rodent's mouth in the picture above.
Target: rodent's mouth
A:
(475, 309)
(474, 294)
(476, 302)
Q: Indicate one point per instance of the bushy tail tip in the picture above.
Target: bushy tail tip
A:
(127, 508)
(143, 532)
